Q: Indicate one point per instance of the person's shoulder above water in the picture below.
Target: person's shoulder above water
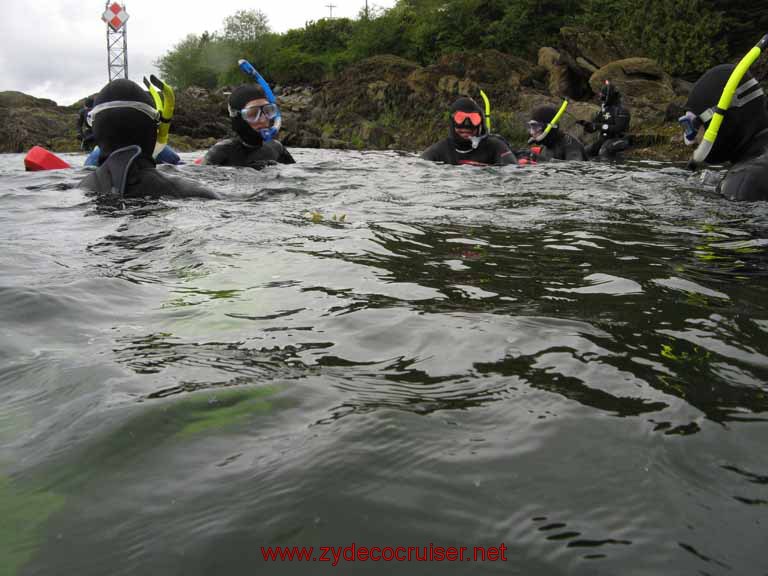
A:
(502, 150)
(748, 179)
(125, 128)
(281, 152)
(127, 173)
(573, 148)
(439, 152)
(220, 153)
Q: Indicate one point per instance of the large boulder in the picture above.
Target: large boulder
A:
(566, 78)
(557, 72)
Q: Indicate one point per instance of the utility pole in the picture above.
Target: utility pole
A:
(331, 7)
(367, 15)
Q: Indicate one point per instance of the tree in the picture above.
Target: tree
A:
(680, 34)
(744, 23)
(245, 26)
(186, 65)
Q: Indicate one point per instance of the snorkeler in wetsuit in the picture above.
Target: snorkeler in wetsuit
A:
(612, 121)
(551, 144)
(743, 135)
(469, 141)
(125, 123)
(251, 116)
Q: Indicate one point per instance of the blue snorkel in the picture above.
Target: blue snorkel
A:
(266, 133)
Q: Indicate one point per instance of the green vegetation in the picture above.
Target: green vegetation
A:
(25, 511)
(685, 36)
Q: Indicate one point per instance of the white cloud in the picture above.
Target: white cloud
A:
(57, 48)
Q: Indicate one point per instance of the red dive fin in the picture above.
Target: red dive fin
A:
(38, 158)
(199, 161)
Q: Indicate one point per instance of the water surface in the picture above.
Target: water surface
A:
(569, 359)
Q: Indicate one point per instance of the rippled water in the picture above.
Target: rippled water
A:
(569, 359)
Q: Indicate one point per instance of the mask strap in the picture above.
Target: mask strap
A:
(140, 106)
(739, 102)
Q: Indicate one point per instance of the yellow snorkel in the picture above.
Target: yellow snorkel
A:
(165, 104)
(487, 111)
(703, 149)
(551, 124)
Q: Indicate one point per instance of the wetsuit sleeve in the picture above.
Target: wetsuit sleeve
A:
(747, 182)
(216, 155)
(187, 189)
(504, 155)
(433, 153)
(285, 156)
(574, 150)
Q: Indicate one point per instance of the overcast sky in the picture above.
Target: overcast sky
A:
(57, 49)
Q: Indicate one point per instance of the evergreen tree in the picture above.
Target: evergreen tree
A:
(744, 23)
(680, 34)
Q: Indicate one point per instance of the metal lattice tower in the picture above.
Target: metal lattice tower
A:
(117, 40)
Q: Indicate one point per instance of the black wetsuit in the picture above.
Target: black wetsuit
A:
(233, 152)
(127, 174)
(612, 122)
(748, 178)
(84, 131)
(492, 151)
(558, 146)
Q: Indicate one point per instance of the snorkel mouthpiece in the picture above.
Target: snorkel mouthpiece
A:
(267, 134)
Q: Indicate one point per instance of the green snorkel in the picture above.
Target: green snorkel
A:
(551, 124)
(705, 147)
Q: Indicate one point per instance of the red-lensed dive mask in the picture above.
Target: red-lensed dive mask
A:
(459, 117)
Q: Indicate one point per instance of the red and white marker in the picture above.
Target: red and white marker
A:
(115, 16)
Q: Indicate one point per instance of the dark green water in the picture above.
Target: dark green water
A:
(570, 360)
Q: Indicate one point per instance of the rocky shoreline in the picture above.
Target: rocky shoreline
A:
(386, 102)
